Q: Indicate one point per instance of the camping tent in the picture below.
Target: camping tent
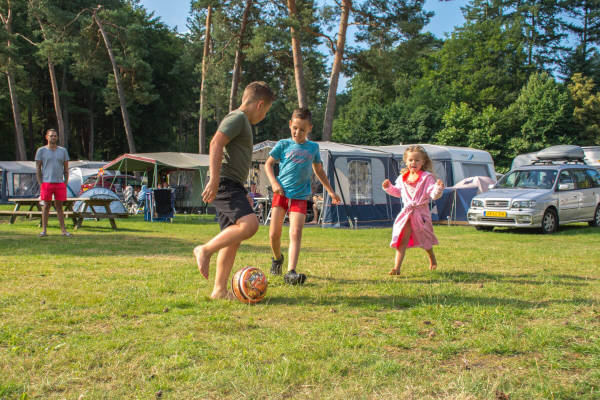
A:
(18, 179)
(450, 164)
(79, 171)
(359, 170)
(187, 173)
(356, 174)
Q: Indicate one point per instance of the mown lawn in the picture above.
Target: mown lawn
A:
(126, 315)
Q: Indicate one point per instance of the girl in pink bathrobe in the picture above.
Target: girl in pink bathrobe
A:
(416, 186)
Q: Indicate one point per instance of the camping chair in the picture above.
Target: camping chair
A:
(160, 205)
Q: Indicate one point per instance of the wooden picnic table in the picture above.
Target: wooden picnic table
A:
(88, 210)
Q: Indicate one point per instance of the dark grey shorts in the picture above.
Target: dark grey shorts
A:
(231, 202)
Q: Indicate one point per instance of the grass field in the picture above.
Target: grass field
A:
(126, 315)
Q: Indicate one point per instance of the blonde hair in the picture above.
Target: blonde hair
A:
(415, 148)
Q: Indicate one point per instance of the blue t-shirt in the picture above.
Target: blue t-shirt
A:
(295, 166)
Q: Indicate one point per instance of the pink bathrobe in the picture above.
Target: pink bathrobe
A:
(416, 208)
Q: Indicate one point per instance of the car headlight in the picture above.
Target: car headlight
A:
(524, 204)
(477, 203)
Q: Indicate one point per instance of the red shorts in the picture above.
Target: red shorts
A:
(294, 205)
(59, 190)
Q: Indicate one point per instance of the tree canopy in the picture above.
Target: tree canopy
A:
(515, 77)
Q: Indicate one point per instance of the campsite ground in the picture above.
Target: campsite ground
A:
(125, 314)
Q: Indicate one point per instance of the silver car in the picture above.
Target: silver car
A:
(539, 196)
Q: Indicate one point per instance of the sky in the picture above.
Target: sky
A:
(447, 16)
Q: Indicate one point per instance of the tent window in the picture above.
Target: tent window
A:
(25, 185)
(475, 170)
(361, 187)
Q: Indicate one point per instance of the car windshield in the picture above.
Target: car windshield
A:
(529, 179)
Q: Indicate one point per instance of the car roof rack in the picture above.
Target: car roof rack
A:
(554, 161)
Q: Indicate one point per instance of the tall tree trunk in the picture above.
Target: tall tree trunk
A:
(30, 131)
(201, 120)
(120, 90)
(14, 99)
(20, 154)
(335, 70)
(65, 106)
(91, 136)
(57, 107)
(297, 54)
(237, 66)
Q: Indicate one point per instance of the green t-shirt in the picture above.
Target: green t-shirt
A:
(237, 155)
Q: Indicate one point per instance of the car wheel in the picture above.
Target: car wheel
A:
(596, 220)
(549, 221)
(484, 228)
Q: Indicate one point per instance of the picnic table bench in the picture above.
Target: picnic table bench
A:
(90, 209)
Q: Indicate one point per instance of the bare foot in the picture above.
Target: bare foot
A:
(203, 260)
(432, 267)
(314, 221)
(222, 296)
(394, 271)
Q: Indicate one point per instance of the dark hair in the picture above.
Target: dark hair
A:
(50, 130)
(302, 113)
(258, 90)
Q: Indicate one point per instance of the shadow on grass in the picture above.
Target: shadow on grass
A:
(97, 244)
(563, 230)
(399, 302)
(473, 277)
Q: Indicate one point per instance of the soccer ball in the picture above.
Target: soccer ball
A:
(249, 285)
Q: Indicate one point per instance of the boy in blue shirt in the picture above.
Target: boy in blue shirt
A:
(297, 158)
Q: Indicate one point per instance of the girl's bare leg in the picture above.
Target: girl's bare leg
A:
(401, 250)
(432, 259)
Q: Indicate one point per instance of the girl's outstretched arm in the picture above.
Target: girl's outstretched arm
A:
(390, 189)
(435, 190)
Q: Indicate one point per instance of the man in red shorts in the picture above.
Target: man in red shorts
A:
(52, 162)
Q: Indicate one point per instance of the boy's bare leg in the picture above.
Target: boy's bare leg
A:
(277, 217)
(225, 260)
(432, 259)
(296, 224)
(401, 250)
(243, 229)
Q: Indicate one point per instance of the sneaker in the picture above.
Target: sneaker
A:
(276, 266)
(294, 278)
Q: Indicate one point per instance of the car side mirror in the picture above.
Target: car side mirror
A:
(491, 186)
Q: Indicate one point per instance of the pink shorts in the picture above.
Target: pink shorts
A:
(59, 190)
(294, 205)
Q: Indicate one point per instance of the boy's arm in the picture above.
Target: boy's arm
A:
(320, 173)
(275, 186)
(215, 158)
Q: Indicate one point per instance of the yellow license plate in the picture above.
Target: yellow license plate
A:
(494, 213)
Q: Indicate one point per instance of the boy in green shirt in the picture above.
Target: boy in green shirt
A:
(230, 159)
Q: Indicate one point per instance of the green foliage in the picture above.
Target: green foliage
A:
(542, 111)
(486, 130)
(586, 110)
